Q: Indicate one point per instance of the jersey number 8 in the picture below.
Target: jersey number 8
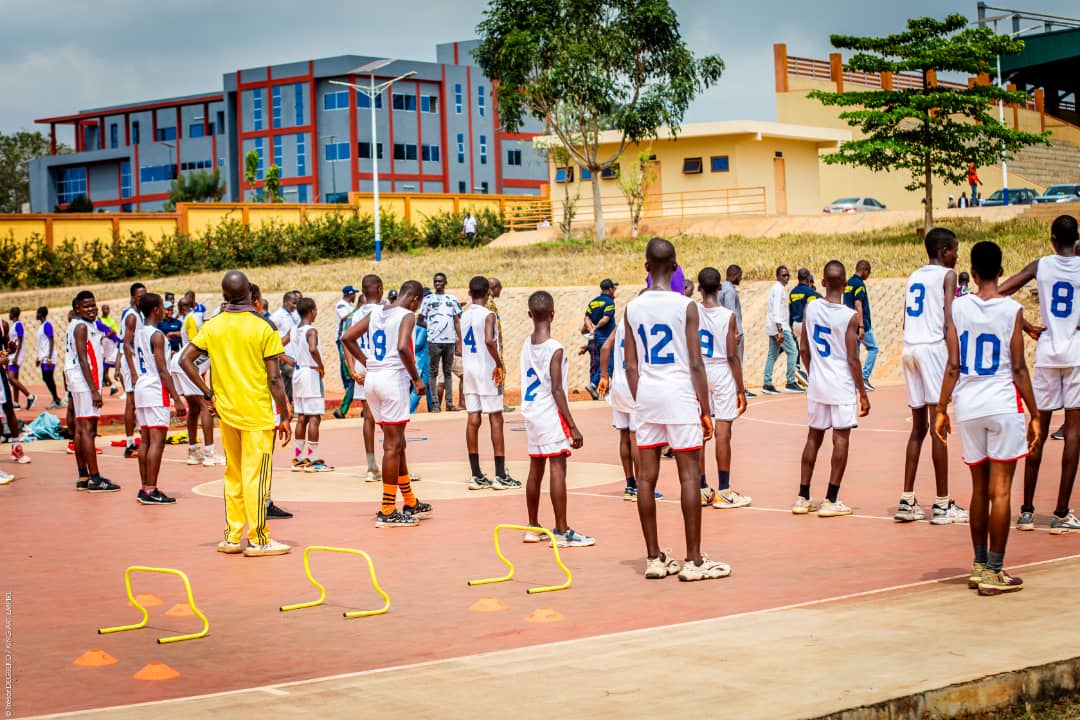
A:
(1061, 299)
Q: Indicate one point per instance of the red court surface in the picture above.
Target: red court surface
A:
(66, 553)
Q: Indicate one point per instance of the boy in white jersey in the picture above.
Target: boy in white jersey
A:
(617, 392)
(83, 370)
(829, 352)
(198, 409)
(154, 393)
(550, 426)
(372, 289)
(47, 346)
(667, 380)
(309, 404)
(927, 315)
(1056, 381)
(987, 377)
(130, 322)
(391, 369)
(719, 351)
(483, 373)
(15, 359)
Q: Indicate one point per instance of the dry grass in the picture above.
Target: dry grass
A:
(892, 253)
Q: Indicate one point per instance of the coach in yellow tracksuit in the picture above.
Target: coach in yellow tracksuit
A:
(244, 351)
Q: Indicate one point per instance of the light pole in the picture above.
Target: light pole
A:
(333, 165)
(373, 91)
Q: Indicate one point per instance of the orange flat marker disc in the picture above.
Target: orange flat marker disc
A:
(488, 604)
(95, 658)
(544, 615)
(156, 671)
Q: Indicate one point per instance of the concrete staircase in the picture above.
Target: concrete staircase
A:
(1047, 166)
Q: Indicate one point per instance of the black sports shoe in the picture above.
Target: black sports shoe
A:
(793, 388)
(155, 497)
(1058, 434)
(749, 394)
(419, 510)
(593, 393)
(105, 485)
(82, 483)
(868, 386)
(769, 390)
(273, 511)
(131, 451)
(338, 414)
(669, 453)
(396, 519)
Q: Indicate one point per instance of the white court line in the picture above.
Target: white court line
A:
(556, 644)
(803, 425)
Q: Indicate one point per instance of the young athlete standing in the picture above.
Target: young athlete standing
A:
(1057, 367)
(987, 376)
(829, 352)
(46, 356)
(309, 404)
(927, 316)
(372, 289)
(83, 369)
(15, 361)
(667, 380)
(483, 373)
(130, 323)
(548, 422)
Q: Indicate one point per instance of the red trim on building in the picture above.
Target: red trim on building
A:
(444, 120)
(455, 54)
(52, 138)
(354, 146)
(127, 129)
(468, 104)
(137, 107)
(241, 183)
(134, 199)
(523, 183)
(402, 176)
(153, 129)
(101, 133)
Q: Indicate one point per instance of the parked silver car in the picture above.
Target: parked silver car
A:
(1059, 194)
(853, 204)
(1017, 196)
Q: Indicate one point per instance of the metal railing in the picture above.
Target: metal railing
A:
(688, 203)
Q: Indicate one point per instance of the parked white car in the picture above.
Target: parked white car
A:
(1060, 194)
(853, 204)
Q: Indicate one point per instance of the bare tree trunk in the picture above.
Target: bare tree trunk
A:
(598, 214)
(928, 211)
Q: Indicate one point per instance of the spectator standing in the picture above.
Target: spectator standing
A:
(778, 328)
(468, 227)
(342, 310)
(800, 295)
(599, 324)
(974, 182)
(423, 362)
(440, 313)
(170, 325)
(284, 321)
(678, 281)
(963, 201)
(857, 298)
(729, 298)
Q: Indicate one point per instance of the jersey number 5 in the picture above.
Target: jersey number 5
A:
(823, 347)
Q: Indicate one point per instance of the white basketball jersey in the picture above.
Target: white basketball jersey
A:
(713, 332)
(149, 390)
(123, 320)
(826, 324)
(364, 341)
(984, 329)
(302, 351)
(43, 352)
(619, 393)
(656, 320)
(385, 328)
(477, 365)
(19, 330)
(1058, 280)
(76, 381)
(537, 402)
(924, 308)
(306, 381)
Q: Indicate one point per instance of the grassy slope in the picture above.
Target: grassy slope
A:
(892, 253)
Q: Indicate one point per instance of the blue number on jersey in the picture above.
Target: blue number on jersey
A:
(470, 340)
(824, 349)
(378, 339)
(530, 391)
(142, 361)
(1061, 299)
(981, 343)
(653, 356)
(918, 290)
(708, 342)
(622, 347)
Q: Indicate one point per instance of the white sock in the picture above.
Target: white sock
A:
(192, 448)
(313, 449)
(909, 497)
(942, 502)
(208, 450)
(129, 440)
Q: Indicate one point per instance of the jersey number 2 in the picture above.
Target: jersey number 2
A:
(530, 391)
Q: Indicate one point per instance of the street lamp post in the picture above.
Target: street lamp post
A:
(333, 166)
(372, 91)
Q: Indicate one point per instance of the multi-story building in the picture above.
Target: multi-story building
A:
(436, 132)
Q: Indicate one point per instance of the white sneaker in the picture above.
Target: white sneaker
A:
(661, 567)
(531, 536)
(5, 478)
(572, 539)
(707, 570)
(373, 476)
(947, 516)
(271, 548)
(230, 548)
(833, 509)
(707, 496)
(194, 456)
(803, 506)
(726, 499)
(212, 460)
(909, 511)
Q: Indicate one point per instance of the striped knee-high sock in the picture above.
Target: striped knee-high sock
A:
(389, 497)
(406, 490)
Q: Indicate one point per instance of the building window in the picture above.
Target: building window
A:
(338, 100)
(165, 134)
(483, 149)
(114, 135)
(256, 109)
(363, 150)
(461, 147)
(127, 207)
(459, 98)
(429, 103)
(404, 102)
(195, 130)
(481, 100)
(564, 174)
(301, 156)
(275, 106)
(429, 153)
(336, 152)
(342, 197)
(301, 193)
(363, 102)
(125, 180)
(157, 173)
(277, 152)
(513, 157)
(719, 163)
(196, 165)
(404, 151)
(219, 126)
(461, 187)
(259, 152)
(484, 187)
(691, 166)
(610, 173)
(72, 183)
(135, 132)
(298, 101)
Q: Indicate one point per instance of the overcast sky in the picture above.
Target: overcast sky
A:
(60, 56)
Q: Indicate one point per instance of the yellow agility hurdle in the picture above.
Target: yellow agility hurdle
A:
(146, 614)
(510, 575)
(322, 590)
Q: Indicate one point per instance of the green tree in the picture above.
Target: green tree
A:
(272, 185)
(197, 186)
(934, 129)
(251, 170)
(634, 181)
(16, 152)
(586, 66)
(79, 204)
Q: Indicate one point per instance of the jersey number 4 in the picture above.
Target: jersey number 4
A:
(470, 340)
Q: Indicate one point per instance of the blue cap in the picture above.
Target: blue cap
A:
(348, 290)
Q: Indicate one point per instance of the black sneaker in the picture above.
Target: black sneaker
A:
(113, 390)
(769, 390)
(131, 451)
(339, 415)
(30, 401)
(396, 519)
(593, 393)
(868, 386)
(793, 388)
(1059, 434)
(748, 394)
(419, 510)
(273, 511)
(669, 453)
(82, 483)
(155, 497)
(104, 485)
